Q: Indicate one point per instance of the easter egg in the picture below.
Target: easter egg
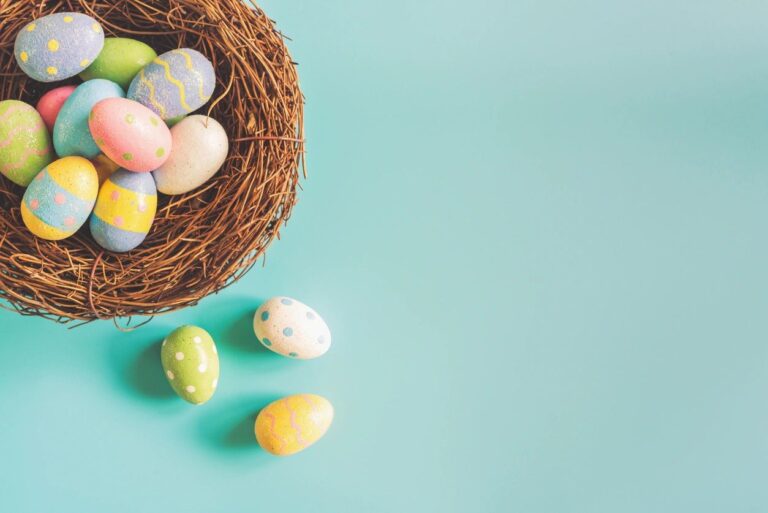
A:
(51, 103)
(60, 198)
(200, 148)
(125, 210)
(71, 134)
(58, 46)
(191, 363)
(25, 146)
(130, 134)
(291, 328)
(104, 167)
(293, 423)
(120, 61)
(176, 83)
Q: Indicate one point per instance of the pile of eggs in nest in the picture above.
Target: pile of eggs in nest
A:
(101, 151)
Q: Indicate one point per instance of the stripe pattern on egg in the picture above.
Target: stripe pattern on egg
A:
(125, 211)
(60, 199)
(175, 83)
(25, 146)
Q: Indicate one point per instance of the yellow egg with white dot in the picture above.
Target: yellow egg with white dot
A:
(58, 46)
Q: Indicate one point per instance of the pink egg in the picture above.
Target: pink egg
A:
(134, 137)
(51, 102)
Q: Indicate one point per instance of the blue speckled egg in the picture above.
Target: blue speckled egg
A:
(58, 46)
(174, 84)
(71, 134)
(125, 210)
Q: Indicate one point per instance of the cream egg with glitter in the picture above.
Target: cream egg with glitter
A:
(200, 148)
(58, 46)
(291, 328)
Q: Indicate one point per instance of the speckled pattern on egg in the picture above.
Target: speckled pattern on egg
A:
(200, 148)
(291, 424)
(291, 328)
(60, 199)
(125, 211)
(71, 133)
(175, 83)
(58, 46)
(25, 146)
(191, 363)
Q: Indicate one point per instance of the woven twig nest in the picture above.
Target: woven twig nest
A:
(202, 241)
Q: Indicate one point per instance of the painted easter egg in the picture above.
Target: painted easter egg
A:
(291, 328)
(176, 83)
(293, 423)
(191, 363)
(60, 198)
(120, 61)
(200, 148)
(58, 46)
(25, 146)
(130, 134)
(51, 103)
(125, 210)
(71, 134)
(104, 167)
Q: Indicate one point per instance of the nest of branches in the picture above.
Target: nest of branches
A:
(202, 241)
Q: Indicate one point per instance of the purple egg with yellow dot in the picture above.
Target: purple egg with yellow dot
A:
(60, 198)
(125, 211)
(58, 46)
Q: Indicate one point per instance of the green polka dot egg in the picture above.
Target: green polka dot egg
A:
(191, 363)
(291, 328)
(130, 134)
(58, 46)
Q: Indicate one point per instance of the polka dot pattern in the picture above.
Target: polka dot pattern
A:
(290, 328)
(58, 46)
(193, 376)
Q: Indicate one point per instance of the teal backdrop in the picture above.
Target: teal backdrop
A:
(538, 231)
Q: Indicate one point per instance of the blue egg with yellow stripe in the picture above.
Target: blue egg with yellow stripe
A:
(125, 211)
(174, 84)
(60, 198)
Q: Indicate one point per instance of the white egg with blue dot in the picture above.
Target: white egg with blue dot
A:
(291, 328)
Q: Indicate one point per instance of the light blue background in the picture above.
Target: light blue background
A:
(538, 230)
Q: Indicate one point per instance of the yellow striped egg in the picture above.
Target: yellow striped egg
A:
(293, 423)
(25, 146)
(175, 83)
(60, 198)
(125, 211)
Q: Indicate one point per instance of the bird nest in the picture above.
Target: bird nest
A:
(202, 241)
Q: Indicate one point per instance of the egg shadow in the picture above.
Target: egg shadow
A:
(229, 425)
(238, 335)
(146, 373)
(135, 359)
